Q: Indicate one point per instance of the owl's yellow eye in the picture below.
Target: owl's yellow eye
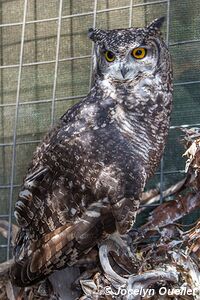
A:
(139, 53)
(110, 57)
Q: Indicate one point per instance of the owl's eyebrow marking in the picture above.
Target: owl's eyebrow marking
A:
(143, 43)
(144, 46)
(103, 49)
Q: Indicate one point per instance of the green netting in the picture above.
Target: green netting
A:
(37, 80)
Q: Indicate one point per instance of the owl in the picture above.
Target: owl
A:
(86, 177)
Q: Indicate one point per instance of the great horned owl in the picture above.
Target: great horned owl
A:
(86, 177)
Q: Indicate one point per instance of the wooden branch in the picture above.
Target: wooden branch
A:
(169, 192)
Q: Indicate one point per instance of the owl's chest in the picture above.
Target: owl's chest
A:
(144, 127)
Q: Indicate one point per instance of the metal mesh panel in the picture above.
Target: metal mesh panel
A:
(46, 67)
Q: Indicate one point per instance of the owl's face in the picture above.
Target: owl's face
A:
(127, 54)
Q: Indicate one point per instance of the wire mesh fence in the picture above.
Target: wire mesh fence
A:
(46, 67)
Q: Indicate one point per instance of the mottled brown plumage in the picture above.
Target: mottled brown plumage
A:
(86, 177)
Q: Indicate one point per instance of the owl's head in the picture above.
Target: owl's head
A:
(126, 54)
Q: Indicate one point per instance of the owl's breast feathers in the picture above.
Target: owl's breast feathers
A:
(85, 177)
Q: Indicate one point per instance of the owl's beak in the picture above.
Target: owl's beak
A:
(124, 71)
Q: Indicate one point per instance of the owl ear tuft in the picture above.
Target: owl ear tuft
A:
(96, 35)
(156, 24)
(91, 33)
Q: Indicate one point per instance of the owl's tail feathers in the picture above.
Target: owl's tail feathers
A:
(48, 254)
(61, 247)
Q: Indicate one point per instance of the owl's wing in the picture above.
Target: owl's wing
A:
(50, 239)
